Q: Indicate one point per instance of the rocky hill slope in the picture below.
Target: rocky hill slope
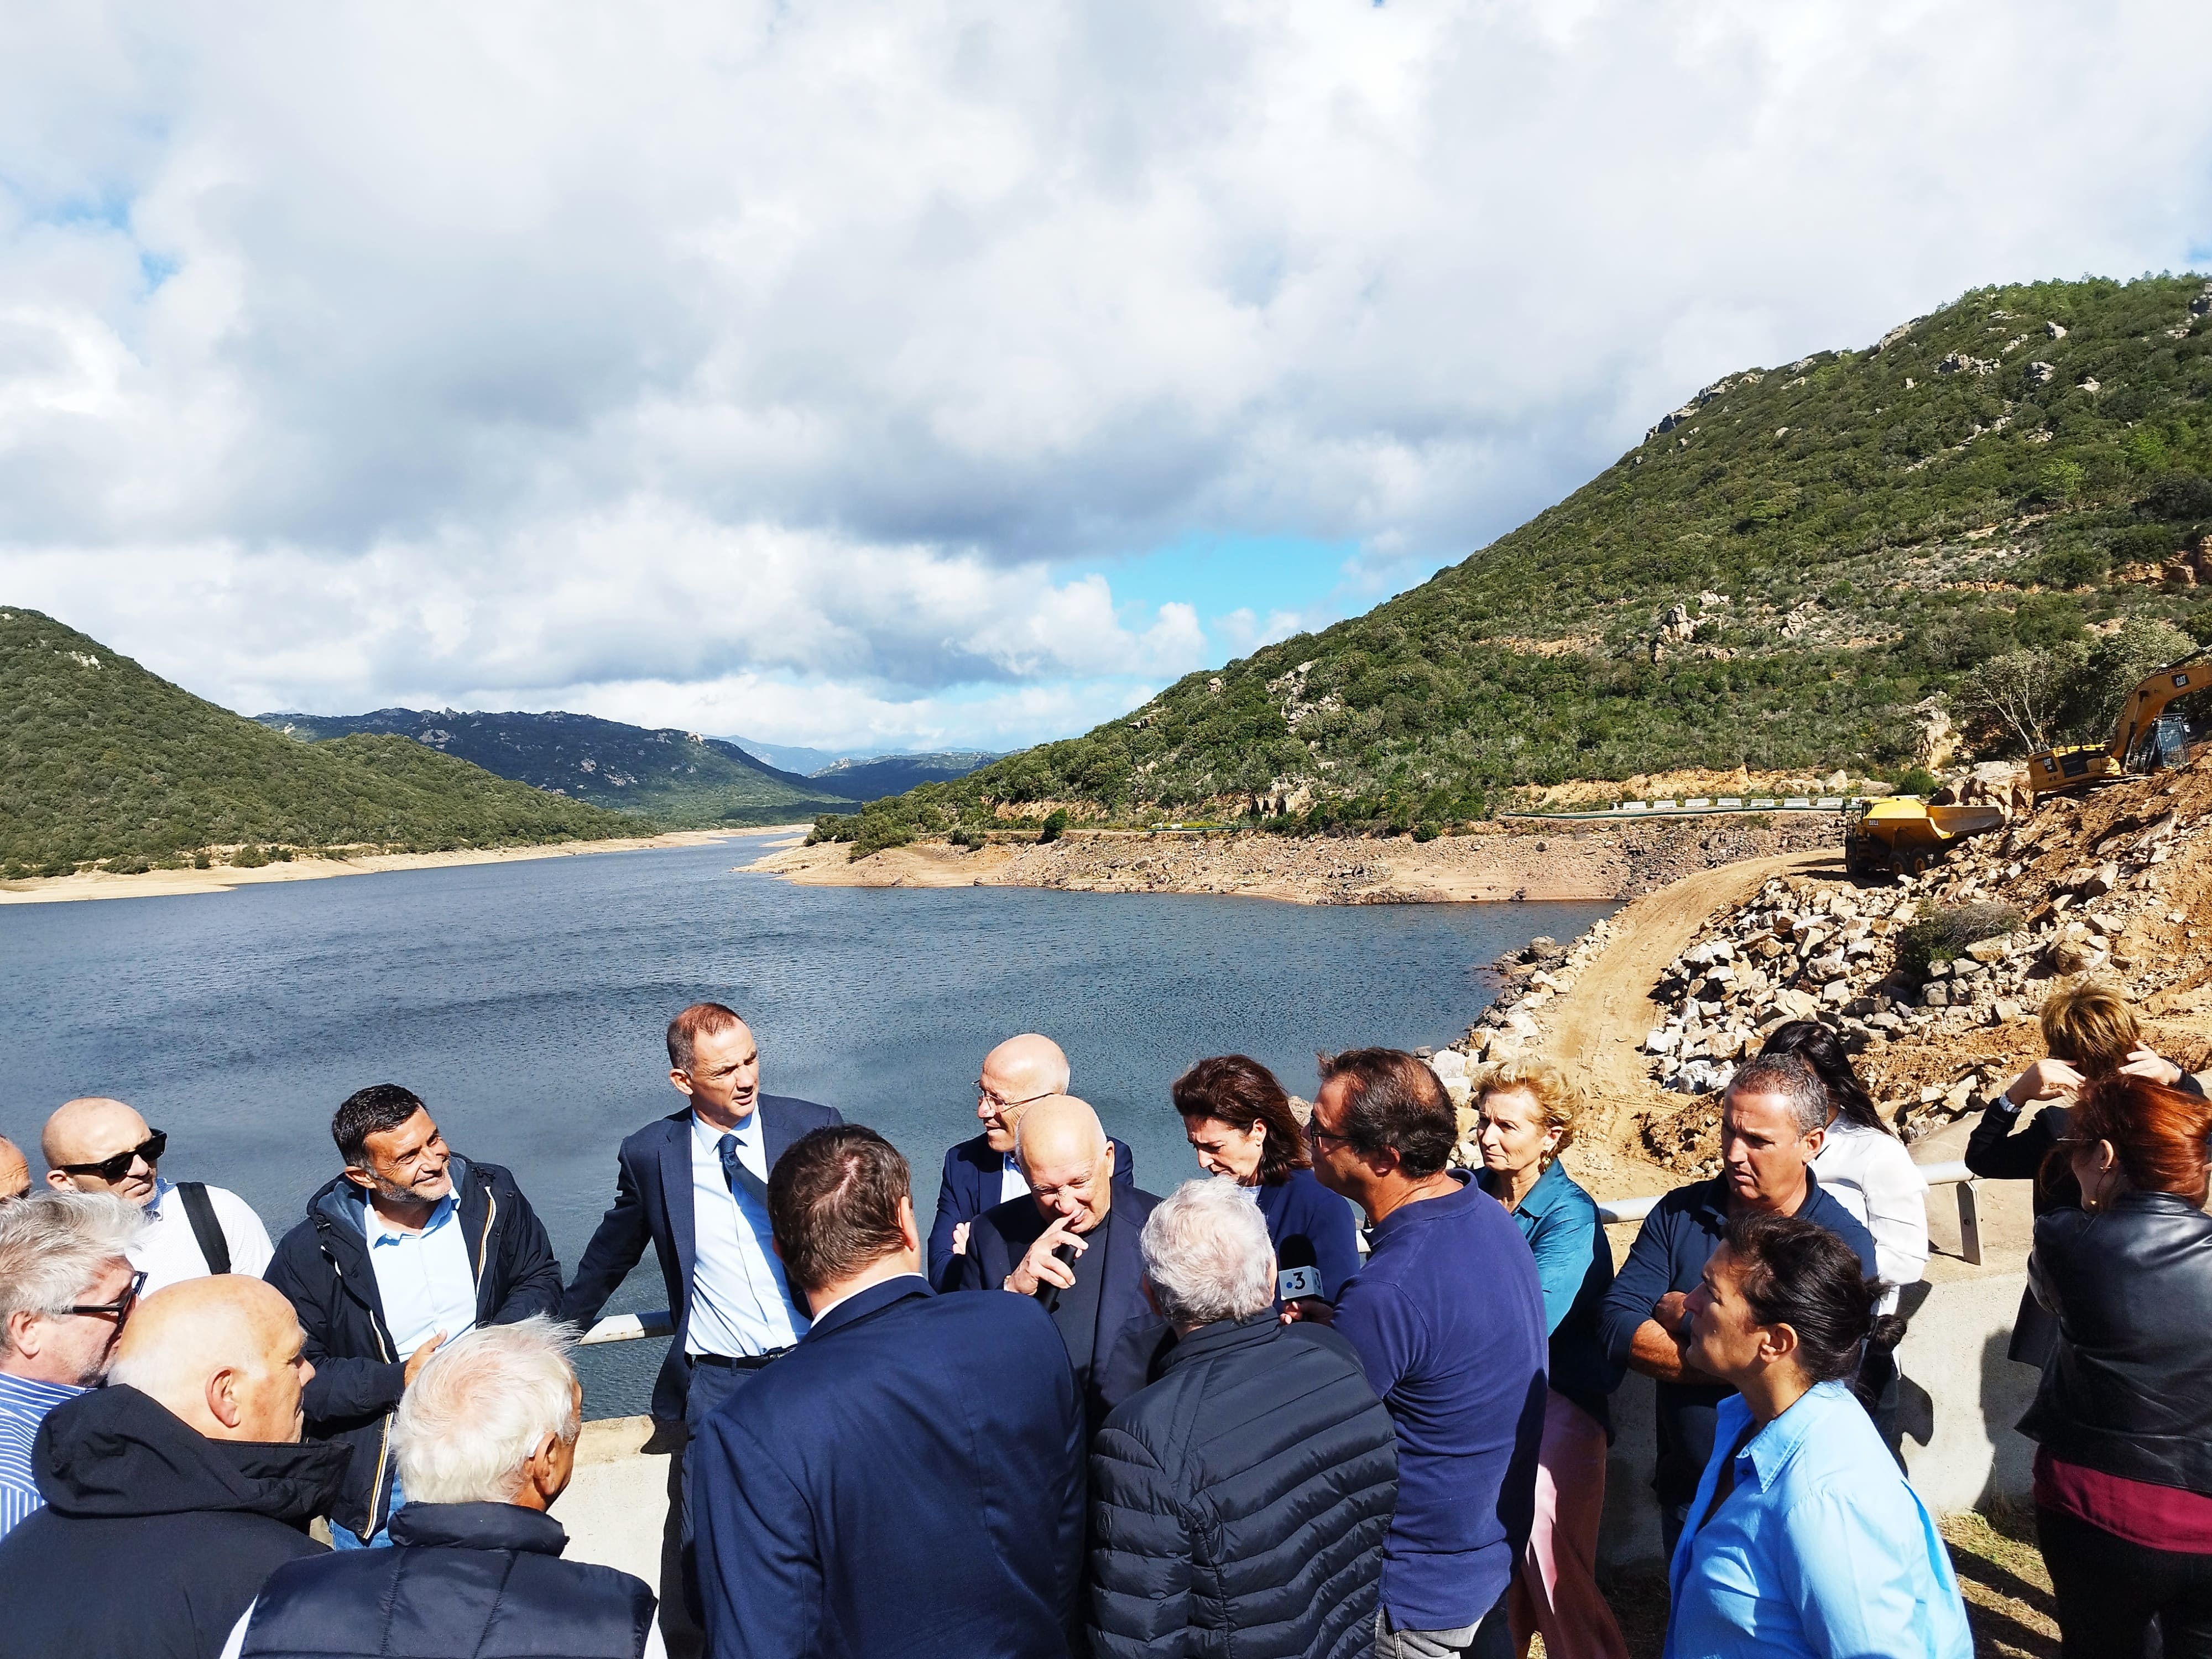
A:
(675, 777)
(101, 761)
(1787, 566)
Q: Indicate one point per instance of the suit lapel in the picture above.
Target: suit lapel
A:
(775, 1129)
(676, 1192)
(1124, 1266)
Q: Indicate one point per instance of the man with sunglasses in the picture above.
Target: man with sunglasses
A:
(66, 1287)
(95, 1145)
(982, 1171)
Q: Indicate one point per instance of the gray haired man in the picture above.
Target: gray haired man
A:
(66, 1287)
(486, 1437)
(1250, 1488)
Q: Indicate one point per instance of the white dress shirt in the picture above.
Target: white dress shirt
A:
(423, 1279)
(166, 1253)
(1873, 1177)
(1012, 1183)
(740, 1305)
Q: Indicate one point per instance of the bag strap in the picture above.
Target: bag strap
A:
(205, 1228)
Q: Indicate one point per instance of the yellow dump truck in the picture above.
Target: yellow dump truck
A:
(1903, 834)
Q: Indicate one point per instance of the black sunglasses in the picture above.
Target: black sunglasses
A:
(114, 1168)
(120, 1307)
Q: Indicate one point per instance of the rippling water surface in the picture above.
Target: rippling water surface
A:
(525, 1002)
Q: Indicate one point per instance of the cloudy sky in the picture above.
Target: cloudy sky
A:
(929, 373)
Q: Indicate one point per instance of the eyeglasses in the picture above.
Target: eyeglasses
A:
(999, 1102)
(1315, 1134)
(121, 1308)
(114, 1168)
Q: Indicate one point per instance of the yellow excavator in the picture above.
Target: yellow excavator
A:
(1903, 833)
(2146, 739)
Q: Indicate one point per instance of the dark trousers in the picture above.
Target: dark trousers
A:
(681, 1628)
(2109, 1591)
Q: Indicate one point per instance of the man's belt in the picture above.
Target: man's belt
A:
(743, 1362)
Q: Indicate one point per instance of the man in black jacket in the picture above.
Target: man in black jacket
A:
(1241, 1500)
(174, 1490)
(486, 1440)
(407, 1249)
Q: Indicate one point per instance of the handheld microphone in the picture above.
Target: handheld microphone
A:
(1297, 1274)
(1048, 1294)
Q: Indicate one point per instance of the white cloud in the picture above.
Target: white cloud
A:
(357, 353)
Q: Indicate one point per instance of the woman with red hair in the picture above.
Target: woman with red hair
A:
(2123, 1418)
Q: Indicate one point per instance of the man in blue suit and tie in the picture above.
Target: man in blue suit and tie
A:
(910, 1479)
(695, 1186)
(982, 1171)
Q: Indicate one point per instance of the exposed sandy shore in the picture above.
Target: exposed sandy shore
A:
(1581, 862)
(161, 883)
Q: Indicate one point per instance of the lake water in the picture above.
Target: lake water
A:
(525, 1002)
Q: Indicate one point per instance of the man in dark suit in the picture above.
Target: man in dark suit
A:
(910, 1479)
(1071, 1242)
(982, 1172)
(695, 1185)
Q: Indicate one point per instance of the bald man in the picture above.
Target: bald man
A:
(173, 1492)
(95, 1145)
(1070, 1240)
(982, 1171)
(15, 1171)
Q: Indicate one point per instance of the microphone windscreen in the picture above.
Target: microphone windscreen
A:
(1298, 1273)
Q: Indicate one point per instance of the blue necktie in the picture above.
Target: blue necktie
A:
(741, 1179)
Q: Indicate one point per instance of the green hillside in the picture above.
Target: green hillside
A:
(677, 777)
(102, 761)
(2027, 471)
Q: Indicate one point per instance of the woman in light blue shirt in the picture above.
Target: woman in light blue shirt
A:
(1804, 1538)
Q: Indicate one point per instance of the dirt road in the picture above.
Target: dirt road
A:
(1594, 1030)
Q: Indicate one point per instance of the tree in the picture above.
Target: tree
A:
(2018, 698)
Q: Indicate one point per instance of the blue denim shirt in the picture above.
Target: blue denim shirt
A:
(1822, 1550)
(1574, 1264)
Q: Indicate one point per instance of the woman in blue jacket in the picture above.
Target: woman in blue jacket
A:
(1527, 1114)
(1238, 1120)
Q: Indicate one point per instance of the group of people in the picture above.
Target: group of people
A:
(1206, 1421)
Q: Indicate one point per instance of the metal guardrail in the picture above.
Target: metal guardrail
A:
(1953, 1174)
(629, 1327)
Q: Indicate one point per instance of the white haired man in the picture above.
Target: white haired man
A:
(486, 1437)
(66, 1287)
(1250, 1488)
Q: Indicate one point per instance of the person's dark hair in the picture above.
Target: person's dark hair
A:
(1822, 1049)
(2157, 1133)
(368, 1112)
(1392, 1103)
(1235, 1090)
(700, 1019)
(833, 1203)
(1796, 1273)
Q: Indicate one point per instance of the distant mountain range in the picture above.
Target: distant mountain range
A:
(871, 773)
(683, 778)
(101, 761)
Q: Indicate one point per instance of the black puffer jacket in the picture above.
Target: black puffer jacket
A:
(1239, 1504)
(153, 1538)
(322, 1267)
(2129, 1388)
(474, 1581)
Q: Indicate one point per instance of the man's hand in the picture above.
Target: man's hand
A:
(2143, 1063)
(419, 1358)
(1308, 1311)
(1040, 1266)
(959, 1238)
(1670, 1310)
(2049, 1079)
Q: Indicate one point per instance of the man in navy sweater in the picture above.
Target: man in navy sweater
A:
(1773, 1120)
(910, 1479)
(1448, 1321)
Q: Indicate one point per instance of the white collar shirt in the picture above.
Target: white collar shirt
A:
(167, 1253)
(1012, 1183)
(740, 1305)
(422, 1278)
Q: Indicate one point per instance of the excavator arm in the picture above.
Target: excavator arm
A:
(2055, 770)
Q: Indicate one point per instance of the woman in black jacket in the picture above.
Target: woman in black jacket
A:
(2123, 1418)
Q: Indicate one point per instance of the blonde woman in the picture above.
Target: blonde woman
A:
(1527, 1112)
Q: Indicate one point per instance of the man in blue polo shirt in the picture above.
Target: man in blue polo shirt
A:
(1448, 1320)
(1774, 1121)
